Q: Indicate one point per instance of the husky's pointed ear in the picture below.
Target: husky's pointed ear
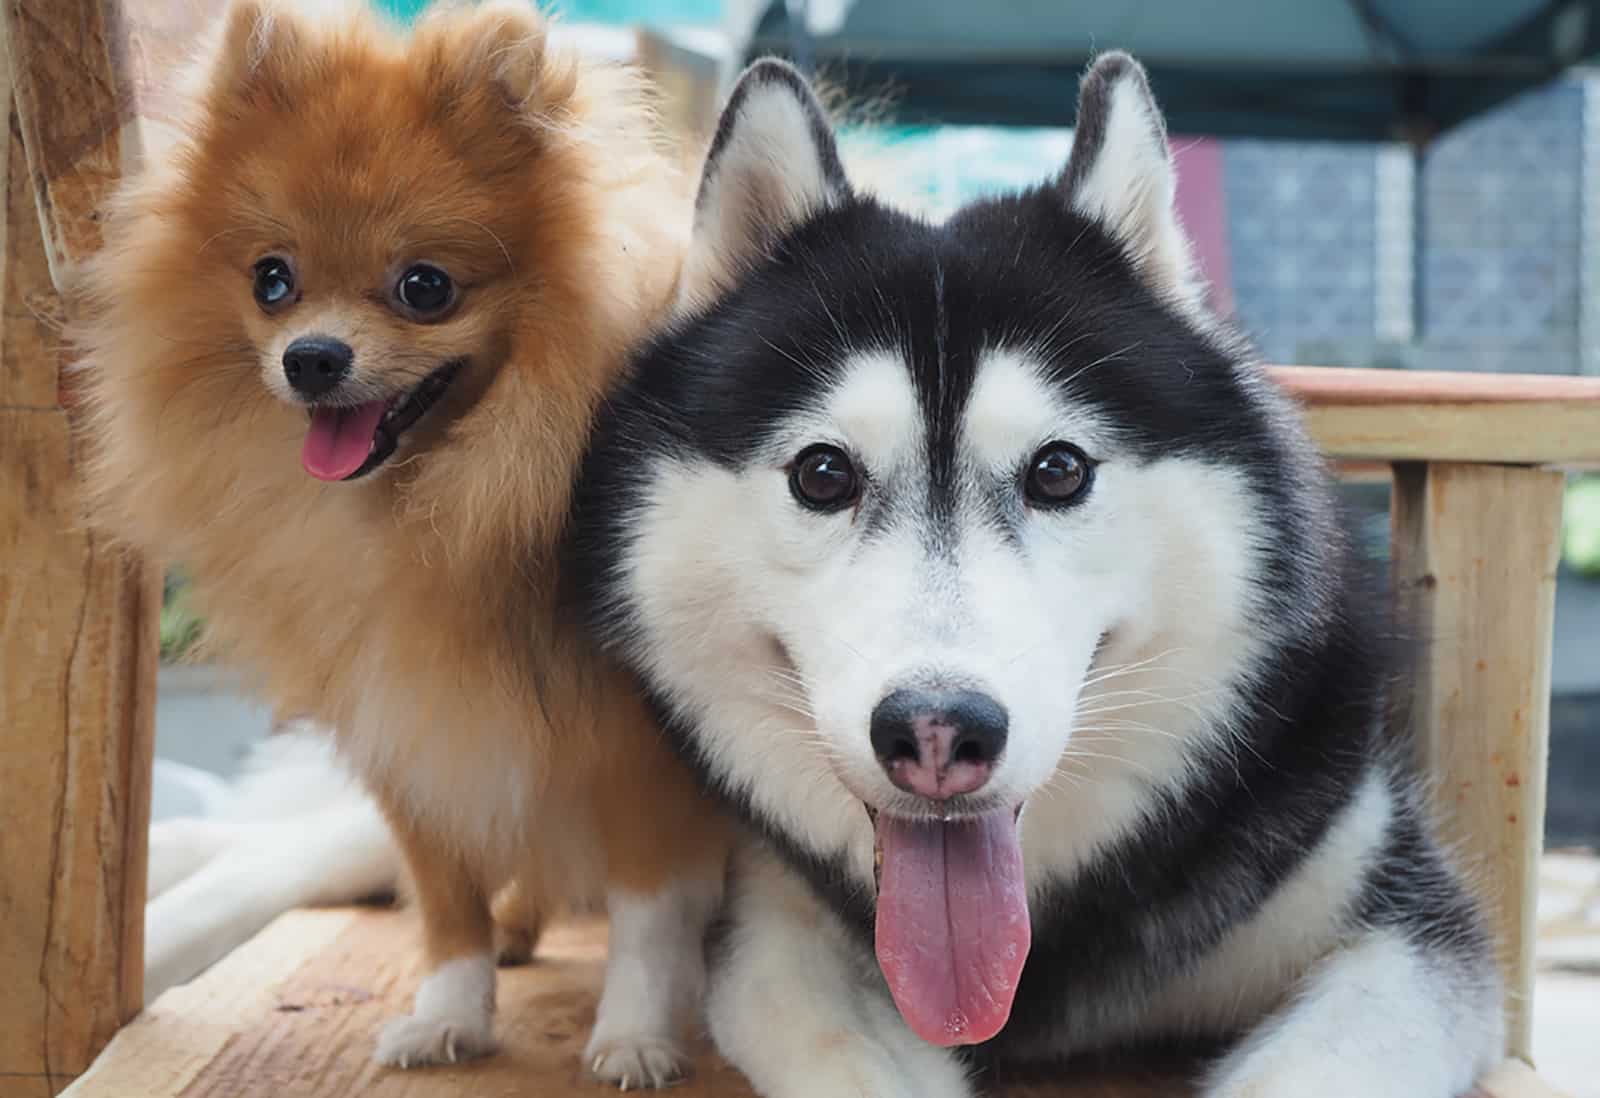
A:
(1121, 174)
(258, 45)
(772, 164)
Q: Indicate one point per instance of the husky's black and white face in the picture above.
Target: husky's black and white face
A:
(945, 521)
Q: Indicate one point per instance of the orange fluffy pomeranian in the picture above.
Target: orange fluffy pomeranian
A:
(341, 352)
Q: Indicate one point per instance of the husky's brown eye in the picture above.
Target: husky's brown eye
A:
(274, 283)
(425, 290)
(823, 479)
(1059, 474)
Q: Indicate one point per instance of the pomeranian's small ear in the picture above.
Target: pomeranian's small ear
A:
(500, 44)
(1121, 175)
(257, 42)
(772, 164)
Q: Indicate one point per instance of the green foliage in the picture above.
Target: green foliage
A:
(1580, 534)
(180, 626)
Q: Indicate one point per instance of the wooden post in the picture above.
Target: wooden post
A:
(78, 643)
(1475, 549)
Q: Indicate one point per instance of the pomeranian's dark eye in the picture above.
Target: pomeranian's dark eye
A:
(823, 479)
(1057, 475)
(425, 290)
(274, 282)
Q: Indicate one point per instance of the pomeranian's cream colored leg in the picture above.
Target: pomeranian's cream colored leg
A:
(666, 857)
(655, 981)
(452, 1017)
(795, 1004)
(1382, 1018)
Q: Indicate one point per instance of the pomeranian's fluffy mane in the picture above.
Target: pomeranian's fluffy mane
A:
(189, 456)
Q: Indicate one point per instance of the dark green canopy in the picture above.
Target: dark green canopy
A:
(1362, 70)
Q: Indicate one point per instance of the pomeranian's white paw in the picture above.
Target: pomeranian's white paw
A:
(637, 1064)
(415, 1041)
(453, 1019)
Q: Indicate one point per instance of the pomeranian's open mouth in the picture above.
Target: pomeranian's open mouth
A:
(346, 442)
(952, 920)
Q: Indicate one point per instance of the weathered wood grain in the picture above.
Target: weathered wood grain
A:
(1475, 550)
(78, 645)
(296, 1012)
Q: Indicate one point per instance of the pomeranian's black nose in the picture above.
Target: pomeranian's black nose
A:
(936, 743)
(315, 365)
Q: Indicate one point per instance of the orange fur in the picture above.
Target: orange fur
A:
(414, 610)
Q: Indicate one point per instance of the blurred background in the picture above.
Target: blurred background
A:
(1405, 184)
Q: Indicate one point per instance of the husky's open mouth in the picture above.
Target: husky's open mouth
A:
(952, 920)
(348, 442)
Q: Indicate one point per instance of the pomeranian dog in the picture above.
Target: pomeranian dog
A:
(342, 349)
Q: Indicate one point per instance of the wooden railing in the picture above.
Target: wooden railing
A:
(1475, 530)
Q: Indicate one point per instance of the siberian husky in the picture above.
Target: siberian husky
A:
(982, 570)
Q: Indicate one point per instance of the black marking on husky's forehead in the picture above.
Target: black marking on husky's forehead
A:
(1023, 272)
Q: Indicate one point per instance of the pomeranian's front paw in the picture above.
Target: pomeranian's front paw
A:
(417, 1040)
(637, 1063)
(453, 1019)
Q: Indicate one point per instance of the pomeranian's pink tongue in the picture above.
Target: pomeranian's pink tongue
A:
(953, 927)
(340, 439)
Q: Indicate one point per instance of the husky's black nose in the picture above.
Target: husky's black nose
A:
(939, 743)
(315, 365)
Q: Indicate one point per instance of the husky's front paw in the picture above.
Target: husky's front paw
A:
(637, 1063)
(453, 1019)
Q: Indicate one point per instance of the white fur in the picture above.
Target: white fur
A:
(178, 849)
(800, 1008)
(338, 855)
(1375, 1018)
(452, 1018)
(655, 981)
(1240, 981)
(769, 175)
(297, 830)
(1131, 189)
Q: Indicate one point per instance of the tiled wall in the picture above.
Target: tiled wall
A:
(1499, 226)
(1302, 220)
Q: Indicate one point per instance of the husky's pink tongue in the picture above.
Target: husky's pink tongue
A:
(340, 439)
(953, 927)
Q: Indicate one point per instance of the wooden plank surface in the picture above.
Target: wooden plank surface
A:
(1561, 436)
(77, 621)
(1475, 550)
(1407, 415)
(1515, 1079)
(1326, 385)
(296, 1011)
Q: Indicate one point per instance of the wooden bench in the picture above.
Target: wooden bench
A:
(1477, 504)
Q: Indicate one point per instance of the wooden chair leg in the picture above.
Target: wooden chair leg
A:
(1475, 549)
(78, 640)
